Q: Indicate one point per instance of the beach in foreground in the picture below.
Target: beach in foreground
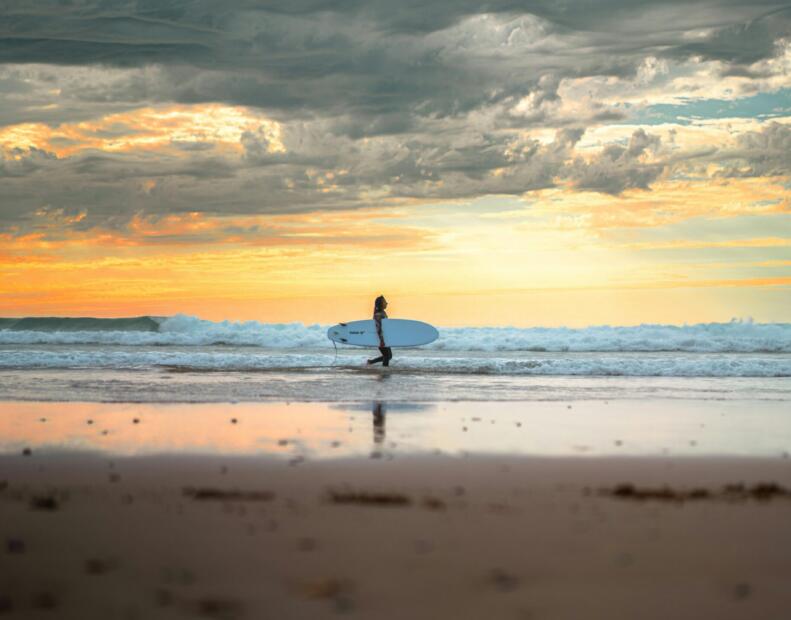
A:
(380, 511)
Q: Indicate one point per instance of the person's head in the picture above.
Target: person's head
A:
(380, 303)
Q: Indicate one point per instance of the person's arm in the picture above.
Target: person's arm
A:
(378, 322)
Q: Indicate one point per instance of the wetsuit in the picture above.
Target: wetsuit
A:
(387, 354)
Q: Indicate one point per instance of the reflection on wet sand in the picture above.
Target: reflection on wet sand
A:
(315, 430)
(379, 422)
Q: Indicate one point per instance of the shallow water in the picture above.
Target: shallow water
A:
(344, 383)
(228, 358)
(381, 429)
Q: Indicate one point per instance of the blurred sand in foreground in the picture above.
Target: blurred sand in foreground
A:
(97, 536)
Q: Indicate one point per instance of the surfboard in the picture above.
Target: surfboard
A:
(397, 333)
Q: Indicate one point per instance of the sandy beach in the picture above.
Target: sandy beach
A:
(387, 532)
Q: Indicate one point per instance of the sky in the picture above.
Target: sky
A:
(513, 162)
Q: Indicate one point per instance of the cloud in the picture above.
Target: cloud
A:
(374, 68)
(124, 109)
(310, 169)
(741, 45)
(618, 168)
(764, 153)
(303, 166)
(386, 63)
(22, 162)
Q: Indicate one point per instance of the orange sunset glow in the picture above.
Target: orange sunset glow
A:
(659, 196)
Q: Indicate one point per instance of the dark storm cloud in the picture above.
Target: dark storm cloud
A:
(763, 153)
(24, 162)
(618, 168)
(378, 100)
(742, 44)
(335, 173)
(390, 61)
(101, 166)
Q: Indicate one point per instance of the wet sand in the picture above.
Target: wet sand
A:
(97, 536)
(592, 509)
(625, 427)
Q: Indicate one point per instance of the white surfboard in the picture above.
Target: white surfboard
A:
(397, 333)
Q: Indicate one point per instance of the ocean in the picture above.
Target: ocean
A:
(187, 359)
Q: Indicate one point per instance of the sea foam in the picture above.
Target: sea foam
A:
(183, 330)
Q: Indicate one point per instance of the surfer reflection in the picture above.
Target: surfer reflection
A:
(379, 422)
(380, 304)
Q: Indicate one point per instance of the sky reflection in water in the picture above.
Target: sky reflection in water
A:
(385, 430)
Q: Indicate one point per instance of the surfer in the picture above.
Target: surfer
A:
(380, 303)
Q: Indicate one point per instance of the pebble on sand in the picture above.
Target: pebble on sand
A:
(219, 608)
(742, 591)
(15, 545)
(337, 591)
(307, 544)
(368, 498)
(44, 600)
(97, 566)
(44, 502)
(326, 588)
(502, 580)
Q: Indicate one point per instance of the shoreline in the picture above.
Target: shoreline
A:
(502, 378)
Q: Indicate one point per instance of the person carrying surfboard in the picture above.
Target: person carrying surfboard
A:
(380, 303)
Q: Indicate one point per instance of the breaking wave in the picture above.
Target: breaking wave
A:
(181, 330)
(510, 364)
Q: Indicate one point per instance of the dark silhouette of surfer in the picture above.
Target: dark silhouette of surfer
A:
(380, 304)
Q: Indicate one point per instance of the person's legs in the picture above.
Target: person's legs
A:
(380, 358)
(385, 357)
